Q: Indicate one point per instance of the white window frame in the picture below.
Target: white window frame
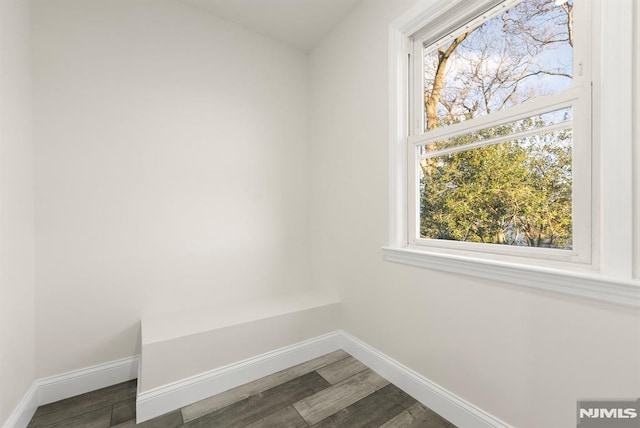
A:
(578, 97)
(605, 269)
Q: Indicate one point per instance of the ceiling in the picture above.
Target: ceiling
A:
(299, 23)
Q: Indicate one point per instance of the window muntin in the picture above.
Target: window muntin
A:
(533, 102)
(534, 124)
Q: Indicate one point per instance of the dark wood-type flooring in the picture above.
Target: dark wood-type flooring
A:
(334, 390)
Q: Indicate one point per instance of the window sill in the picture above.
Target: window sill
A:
(588, 285)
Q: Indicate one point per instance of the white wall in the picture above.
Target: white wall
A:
(17, 330)
(521, 355)
(171, 170)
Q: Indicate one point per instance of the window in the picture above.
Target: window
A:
(510, 154)
(499, 114)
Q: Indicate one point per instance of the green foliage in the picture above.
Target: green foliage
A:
(515, 193)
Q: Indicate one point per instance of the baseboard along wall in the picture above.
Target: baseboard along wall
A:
(172, 396)
(55, 388)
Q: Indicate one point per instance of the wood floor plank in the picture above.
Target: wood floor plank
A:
(341, 370)
(128, 424)
(372, 411)
(285, 418)
(100, 418)
(335, 398)
(123, 411)
(217, 402)
(76, 406)
(263, 404)
(418, 416)
(169, 420)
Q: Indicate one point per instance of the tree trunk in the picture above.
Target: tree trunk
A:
(431, 100)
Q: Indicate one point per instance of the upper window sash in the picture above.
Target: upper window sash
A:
(436, 32)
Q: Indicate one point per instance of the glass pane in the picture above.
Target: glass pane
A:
(502, 130)
(518, 55)
(513, 193)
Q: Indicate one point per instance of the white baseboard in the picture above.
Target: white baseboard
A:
(77, 382)
(58, 387)
(169, 397)
(25, 409)
(166, 398)
(455, 409)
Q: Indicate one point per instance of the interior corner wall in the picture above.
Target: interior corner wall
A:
(171, 170)
(524, 356)
(17, 331)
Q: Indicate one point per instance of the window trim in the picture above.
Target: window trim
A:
(610, 277)
(578, 97)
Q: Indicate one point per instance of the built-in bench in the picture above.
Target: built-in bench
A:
(188, 356)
